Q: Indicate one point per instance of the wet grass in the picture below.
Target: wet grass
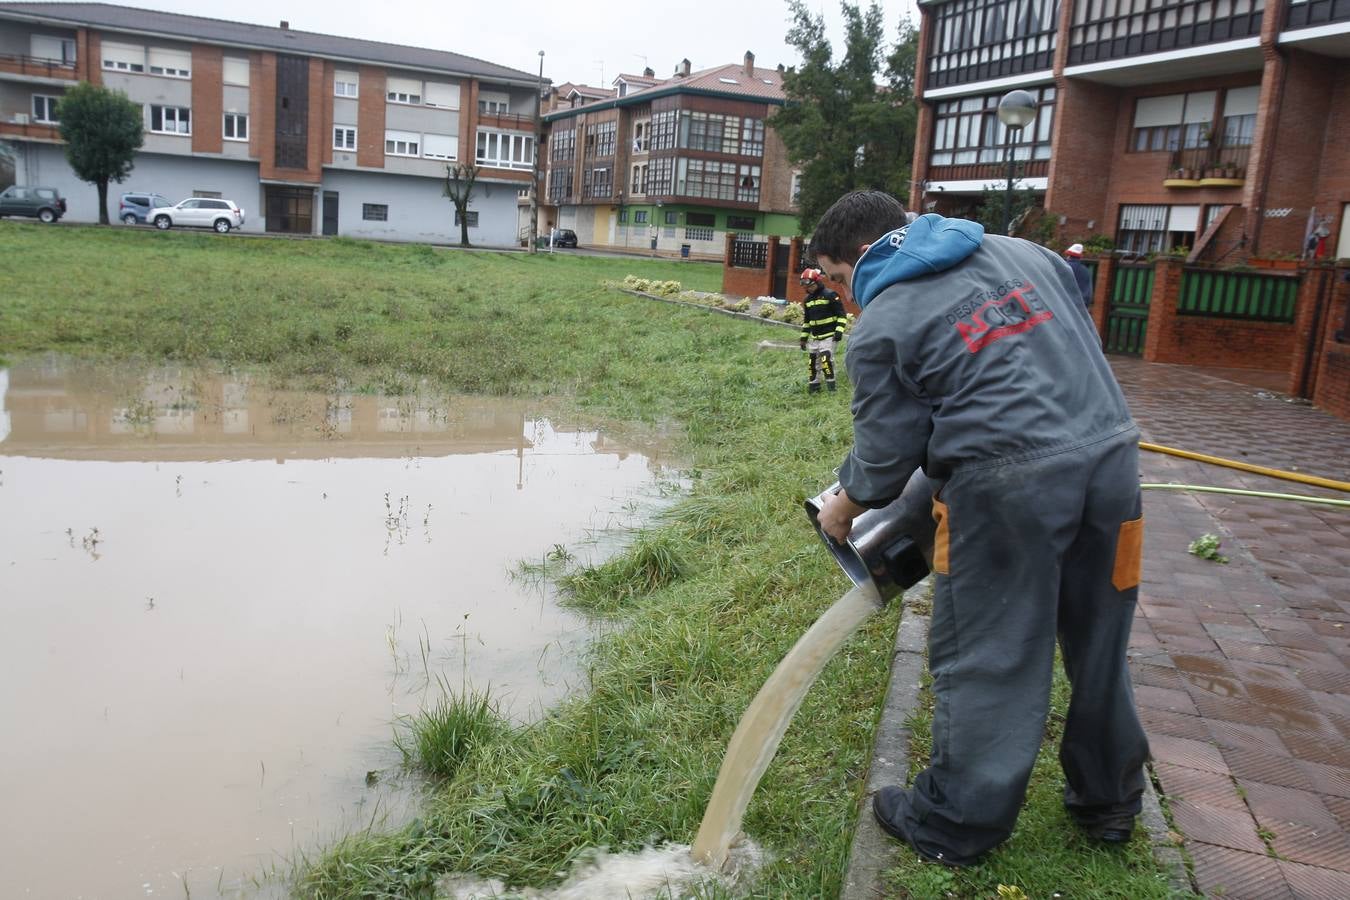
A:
(709, 598)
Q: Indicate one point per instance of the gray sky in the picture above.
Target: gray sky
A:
(578, 37)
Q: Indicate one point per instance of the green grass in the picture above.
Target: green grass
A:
(711, 596)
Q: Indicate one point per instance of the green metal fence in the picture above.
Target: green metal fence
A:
(1254, 296)
(1127, 316)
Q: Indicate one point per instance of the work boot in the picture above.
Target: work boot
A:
(829, 386)
(813, 387)
(891, 808)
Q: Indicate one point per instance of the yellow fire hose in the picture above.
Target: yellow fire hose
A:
(1313, 480)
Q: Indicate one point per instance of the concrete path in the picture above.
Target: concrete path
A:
(1241, 670)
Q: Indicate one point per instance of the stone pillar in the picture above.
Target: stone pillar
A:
(1102, 287)
(1162, 309)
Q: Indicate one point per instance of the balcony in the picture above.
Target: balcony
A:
(1309, 13)
(34, 67)
(507, 121)
(1102, 31)
(994, 173)
(1207, 167)
(31, 130)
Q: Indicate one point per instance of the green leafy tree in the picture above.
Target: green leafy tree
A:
(102, 130)
(842, 126)
(459, 181)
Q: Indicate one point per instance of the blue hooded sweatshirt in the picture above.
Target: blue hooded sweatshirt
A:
(972, 350)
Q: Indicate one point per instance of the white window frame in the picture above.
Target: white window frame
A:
(46, 117)
(163, 119)
(441, 94)
(346, 84)
(503, 160)
(129, 52)
(234, 63)
(238, 118)
(168, 71)
(344, 132)
(454, 147)
(494, 103)
(411, 144)
(404, 97)
(368, 208)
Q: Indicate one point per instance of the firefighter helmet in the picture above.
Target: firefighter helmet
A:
(809, 275)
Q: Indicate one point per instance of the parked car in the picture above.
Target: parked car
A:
(43, 203)
(564, 237)
(198, 212)
(134, 207)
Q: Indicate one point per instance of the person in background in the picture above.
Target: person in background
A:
(823, 326)
(1074, 257)
(975, 360)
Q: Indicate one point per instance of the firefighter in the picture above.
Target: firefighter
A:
(822, 328)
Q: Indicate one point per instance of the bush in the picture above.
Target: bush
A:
(741, 305)
(791, 313)
(766, 310)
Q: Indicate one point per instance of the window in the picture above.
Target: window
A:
(403, 90)
(235, 127)
(747, 184)
(344, 137)
(796, 188)
(639, 185)
(440, 146)
(664, 130)
(402, 143)
(215, 195)
(967, 131)
(697, 233)
(560, 184)
(640, 216)
(53, 49)
(706, 178)
(740, 223)
(346, 84)
(443, 95)
(642, 135)
(672, 217)
(123, 57)
(752, 137)
(170, 63)
(375, 212)
(505, 149)
(623, 216)
(170, 120)
(472, 216)
(563, 145)
(600, 139)
(44, 109)
(660, 176)
(1173, 122)
(1239, 115)
(1156, 229)
(710, 131)
(494, 103)
(235, 71)
(598, 183)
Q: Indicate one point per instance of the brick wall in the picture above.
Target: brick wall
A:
(262, 117)
(1331, 390)
(1084, 141)
(207, 98)
(1334, 187)
(737, 282)
(89, 56)
(1208, 340)
(468, 122)
(329, 73)
(775, 186)
(370, 117)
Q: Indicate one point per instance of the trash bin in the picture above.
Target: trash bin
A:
(653, 245)
(684, 251)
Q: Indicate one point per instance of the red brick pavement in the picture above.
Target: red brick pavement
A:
(1242, 671)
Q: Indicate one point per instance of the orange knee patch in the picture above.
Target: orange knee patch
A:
(1129, 555)
(941, 540)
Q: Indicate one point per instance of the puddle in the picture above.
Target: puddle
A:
(1200, 665)
(215, 598)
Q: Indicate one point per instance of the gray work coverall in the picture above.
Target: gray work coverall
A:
(975, 359)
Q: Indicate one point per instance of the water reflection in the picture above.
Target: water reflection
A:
(217, 596)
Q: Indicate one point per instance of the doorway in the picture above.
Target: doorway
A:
(290, 210)
(330, 212)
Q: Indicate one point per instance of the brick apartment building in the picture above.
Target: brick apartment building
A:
(679, 161)
(1219, 126)
(310, 133)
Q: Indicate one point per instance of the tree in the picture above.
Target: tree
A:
(102, 130)
(840, 126)
(459, 180)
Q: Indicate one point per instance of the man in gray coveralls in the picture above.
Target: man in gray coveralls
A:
(975, 359)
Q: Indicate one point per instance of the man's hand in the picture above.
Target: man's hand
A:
(837, 515)
(803, 343)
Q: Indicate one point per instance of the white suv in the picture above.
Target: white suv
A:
(198, 212)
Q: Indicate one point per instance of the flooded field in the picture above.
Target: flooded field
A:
(216, 599)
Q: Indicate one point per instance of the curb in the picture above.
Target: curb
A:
(1165, 851)
(873, 851)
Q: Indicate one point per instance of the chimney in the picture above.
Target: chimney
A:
(682, 70)
(749, 64)
(285, 26)
(649, 72)
(781, 69)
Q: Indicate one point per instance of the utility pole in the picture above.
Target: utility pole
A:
(538, 148)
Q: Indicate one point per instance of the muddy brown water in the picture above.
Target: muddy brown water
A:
(216, 598)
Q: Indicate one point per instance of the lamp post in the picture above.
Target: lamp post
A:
(1016, 109)
(538, 136)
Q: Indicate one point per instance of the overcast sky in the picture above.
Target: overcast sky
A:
(579, 37)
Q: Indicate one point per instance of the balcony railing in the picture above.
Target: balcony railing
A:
(40, 130)
(1112, 29)
(1207, 165)
(506, 120)
(990, 172)
(1306, 13)
(31, 65)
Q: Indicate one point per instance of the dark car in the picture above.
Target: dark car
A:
(43, 203)
(563, 237)
(135, 206)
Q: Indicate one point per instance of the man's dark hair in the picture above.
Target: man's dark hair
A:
(855, 219)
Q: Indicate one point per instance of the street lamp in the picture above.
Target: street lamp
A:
(1015, 110)
(538, 136)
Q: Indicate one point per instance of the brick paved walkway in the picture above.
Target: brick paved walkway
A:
(1242, 671)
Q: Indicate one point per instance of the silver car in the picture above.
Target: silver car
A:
(198, 212)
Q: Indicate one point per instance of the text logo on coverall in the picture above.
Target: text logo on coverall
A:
(1009, 308)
